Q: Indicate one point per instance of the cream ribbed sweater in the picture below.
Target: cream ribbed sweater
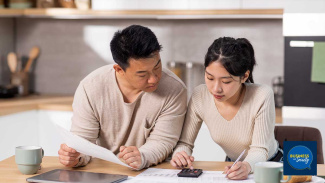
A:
(153, 122)
(252, 128)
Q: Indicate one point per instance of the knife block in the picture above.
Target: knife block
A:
(21, 79)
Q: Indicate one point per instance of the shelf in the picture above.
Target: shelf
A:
(11, 12)
(65, 13)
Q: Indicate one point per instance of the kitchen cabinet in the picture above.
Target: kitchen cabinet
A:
(289, 6)
(34, 124)
(36, 127)
(16, 130)
(31, 121)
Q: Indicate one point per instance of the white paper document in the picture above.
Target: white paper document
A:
(85, 147)
(157, 175)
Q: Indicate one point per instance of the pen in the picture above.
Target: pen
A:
(236, 161)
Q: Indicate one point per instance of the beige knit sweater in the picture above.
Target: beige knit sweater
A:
(252, 128)
(153, 122)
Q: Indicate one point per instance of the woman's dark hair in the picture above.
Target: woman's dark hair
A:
(236, 55)
(135, 42)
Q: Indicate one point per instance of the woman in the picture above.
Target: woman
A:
(238, 113)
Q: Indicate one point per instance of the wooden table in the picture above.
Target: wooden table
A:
(9, 172)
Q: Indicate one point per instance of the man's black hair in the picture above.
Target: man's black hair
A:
(136, 42)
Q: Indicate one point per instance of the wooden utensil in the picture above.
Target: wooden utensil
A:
(12, 61)
(32, 55)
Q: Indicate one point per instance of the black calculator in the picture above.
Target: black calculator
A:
(186, 172)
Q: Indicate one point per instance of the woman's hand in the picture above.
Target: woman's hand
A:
(181, 160)
(239, 171)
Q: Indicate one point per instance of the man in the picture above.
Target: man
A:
(134, 108)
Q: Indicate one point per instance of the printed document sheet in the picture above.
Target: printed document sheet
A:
(157, 175)
(85, 147)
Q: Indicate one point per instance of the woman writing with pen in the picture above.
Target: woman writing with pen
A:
(238, 113)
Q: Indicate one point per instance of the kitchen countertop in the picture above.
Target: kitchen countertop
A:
(35, 102)
(278, 115)
(54, 102)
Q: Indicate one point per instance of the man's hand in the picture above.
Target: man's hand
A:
(181, 160)
(239, 171)
(131, 155)
(68, 156)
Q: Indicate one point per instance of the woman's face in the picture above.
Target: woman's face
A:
(220, 83)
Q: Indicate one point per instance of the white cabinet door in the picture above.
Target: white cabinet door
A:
(164, 4)
(49, 138)
(289, 6)
(39, 128)
(17, 130)
(32, 128)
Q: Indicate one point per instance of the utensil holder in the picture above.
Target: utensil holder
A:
(21, 79)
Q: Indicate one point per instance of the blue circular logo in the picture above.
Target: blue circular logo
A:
(300, 157)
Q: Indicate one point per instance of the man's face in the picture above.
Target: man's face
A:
(144, 74)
